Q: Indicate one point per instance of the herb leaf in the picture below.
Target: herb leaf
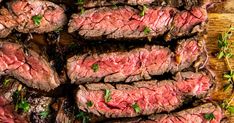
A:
(37, 19)
(24, 105)
(230, 109)
(107, 96)
(44, 114)
(80, 2)
(209, 116)
(95, 67)
(6, 82)
(83, 116)
(89, 103)
(82, 10)
(136, 108)
(146, 30)
(143, 11)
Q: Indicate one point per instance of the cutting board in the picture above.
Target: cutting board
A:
(220, 19)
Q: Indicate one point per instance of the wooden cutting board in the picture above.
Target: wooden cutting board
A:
(220, 19)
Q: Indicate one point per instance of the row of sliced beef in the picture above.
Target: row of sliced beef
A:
(144, 97)
(174, 3)
(136, 64)
(30, 16)
(27, 66)
(128, 23)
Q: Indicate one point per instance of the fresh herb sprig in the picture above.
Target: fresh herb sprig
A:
(107, 96)
(209, 116)
(83, 117)
(142, 13)
(225, 52)
(20, 102)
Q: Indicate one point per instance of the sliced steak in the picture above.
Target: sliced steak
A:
(174, 3)
(7, 22)
(27, 66)
(136, 64)
(142, 98)
(193, 115)
(37, 16)
(126, 22)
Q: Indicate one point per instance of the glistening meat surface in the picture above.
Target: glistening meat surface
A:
(27, 66)
(193, 115)
(174, 3)
(148, 96)
(126, 22)
(7, 22)
(37, 16)
(136, 64)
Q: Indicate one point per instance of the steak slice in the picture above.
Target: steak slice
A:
(147, 96)
(29, 67)
(134, 65)
(174, 3)
(193, 115)
(7, 22)
(37, 16)
(126, 22)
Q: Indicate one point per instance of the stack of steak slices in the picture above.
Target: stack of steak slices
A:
(129, 82)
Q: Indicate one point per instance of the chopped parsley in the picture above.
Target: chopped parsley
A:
(83, 116)
(136, 108)
(44, 114)
(209, 116)
(146, 30)
(230, 109)
(80, 2)
(6, 82)
(20, 102)
(107, 96)
(82, 10)
(89, 103)
(37, 19)
(143, 10)
(95, 67)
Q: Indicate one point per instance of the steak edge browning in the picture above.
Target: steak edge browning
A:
(126, 23)
(195, 115)
(174, 3)
(30, 16)
(137, 64)
(30, 68)
(150, 96)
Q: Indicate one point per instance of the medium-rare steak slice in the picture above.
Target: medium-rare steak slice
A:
(7, 23)
(37, 16)
(193, 115)
(136, 64)
(29, 67)
(174, 3)
(142, 98)
(126, 22)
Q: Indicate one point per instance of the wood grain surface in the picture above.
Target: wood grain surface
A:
(220, 19)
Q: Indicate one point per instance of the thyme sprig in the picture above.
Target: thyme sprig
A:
(225, 52)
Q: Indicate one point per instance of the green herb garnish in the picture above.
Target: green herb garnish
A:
(143, 10)
(107, 96)
(136, 108)
(6, 82)
(20, 102)
(225, 52)
(146, 30)
(83, 116)
(89, 103)
(37, 19)
(44, 114)
(80, 2)
(209, 116)
(82, 10)
(95, 67)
